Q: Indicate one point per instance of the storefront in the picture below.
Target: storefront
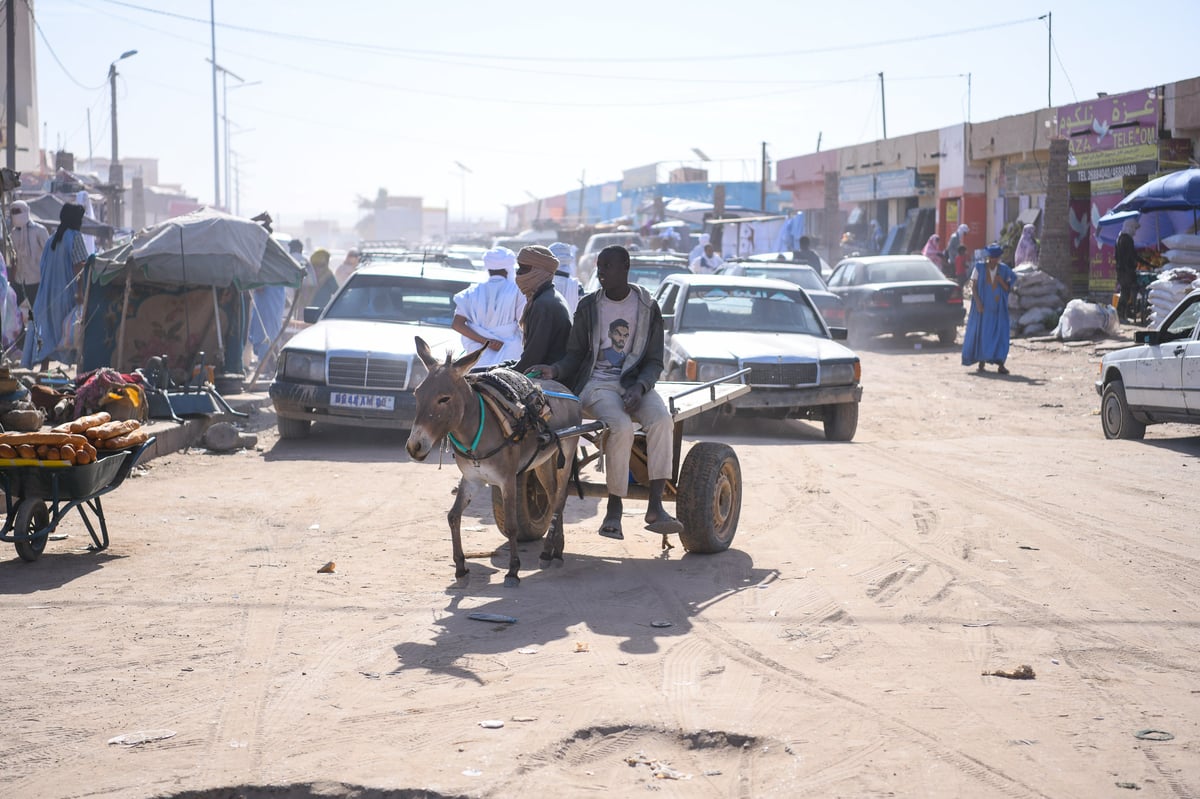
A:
(886, 198)
(1113, 149)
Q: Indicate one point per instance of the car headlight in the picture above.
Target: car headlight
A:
(306, 366)
(837, 374)
(702, 371)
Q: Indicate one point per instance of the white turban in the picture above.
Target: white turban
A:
(1130, 225)
(962, 230)
(565, 253)
(501, 258)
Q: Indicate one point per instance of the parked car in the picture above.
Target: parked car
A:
(786, 257)
(829, 304)
(585, 265)
(717, 325)
(356, 364)
(1156, 380)
(897, 294)
(648, 270)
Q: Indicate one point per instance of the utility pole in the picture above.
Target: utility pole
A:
(968, 98)
(1049, 17)
(216, 135)
(883, 104)
(10, 105)
(582, 189)
(766, 170)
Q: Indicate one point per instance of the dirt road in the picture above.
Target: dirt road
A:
(977, 523)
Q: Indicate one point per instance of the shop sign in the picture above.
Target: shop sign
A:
(856, 188)
(1174, 154)
(895, 184)
(1112, 136)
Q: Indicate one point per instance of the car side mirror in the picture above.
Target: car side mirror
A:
(838, 333)
(311, 314)
(1148, 337)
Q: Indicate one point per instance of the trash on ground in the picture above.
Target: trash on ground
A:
(527, 650)
(327, 568)
(472, 772)
(659, 769)
(1023, 546)
(1154, 735)
(1133, 786)
(524, 718)
(978, 623)
(581, 646)
(142, 737)
(496, 617)
(661, 624)
(491, 724)
(1023, 672)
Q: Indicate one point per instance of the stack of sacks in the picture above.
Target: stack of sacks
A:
(1171, 287)
(1036, 302)
(1183, 249)
(1084, 320)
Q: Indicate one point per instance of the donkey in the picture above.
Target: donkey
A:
(447, 405)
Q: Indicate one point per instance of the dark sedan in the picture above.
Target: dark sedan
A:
(648, 271)
(897, 294)
(832, 309)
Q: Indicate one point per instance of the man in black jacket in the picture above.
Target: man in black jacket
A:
(614, 358)
(546, 322)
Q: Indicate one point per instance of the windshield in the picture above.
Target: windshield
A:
(741, 308)
(387, 298)
(652, 276)
(804, 278)
(902, 272)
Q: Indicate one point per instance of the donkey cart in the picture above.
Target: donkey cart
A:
(706, 487)
(38, 494)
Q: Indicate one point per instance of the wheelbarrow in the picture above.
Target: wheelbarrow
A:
(197, 397)
(38, 494)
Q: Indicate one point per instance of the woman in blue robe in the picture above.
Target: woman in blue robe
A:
(63, 259)
(987, 336)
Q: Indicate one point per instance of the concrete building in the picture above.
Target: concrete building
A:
(1059, 169)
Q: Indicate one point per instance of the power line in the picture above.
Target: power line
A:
(708, 58)
(57, 60)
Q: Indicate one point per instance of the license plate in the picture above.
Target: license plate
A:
(368, 402)
(916, 298)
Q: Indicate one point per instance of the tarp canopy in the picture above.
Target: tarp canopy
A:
(203, 248)
(47, 209)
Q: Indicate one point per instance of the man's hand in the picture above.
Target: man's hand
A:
(493, 344)
(541, 370)
(633, 397)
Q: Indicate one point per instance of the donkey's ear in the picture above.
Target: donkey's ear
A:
(425, 354)
(464, 364)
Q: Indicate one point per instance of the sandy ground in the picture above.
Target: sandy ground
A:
(838, 649)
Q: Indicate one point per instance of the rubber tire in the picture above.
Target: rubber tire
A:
(841, 421)
(947, 337)
(31, 516)
(1115, 416)
(710, 497)
(531, 494)
(291, 429)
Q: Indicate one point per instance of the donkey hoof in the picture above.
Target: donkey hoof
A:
(511, 581)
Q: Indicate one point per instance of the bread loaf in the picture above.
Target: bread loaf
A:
(112, 429)
(131, 439)
(83, 423)
(7, 451)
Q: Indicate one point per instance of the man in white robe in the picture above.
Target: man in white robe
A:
(564, 277)
(487, 314)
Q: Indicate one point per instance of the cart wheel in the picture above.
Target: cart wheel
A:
(710, 497)
(534, 511)
(32, 516)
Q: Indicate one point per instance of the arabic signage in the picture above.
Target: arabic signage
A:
(889, 185)
(1112, 136)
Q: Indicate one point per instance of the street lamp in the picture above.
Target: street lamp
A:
(115, 174)
(463, 179)
(225, 73)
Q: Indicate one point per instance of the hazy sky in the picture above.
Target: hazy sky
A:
(344, 98)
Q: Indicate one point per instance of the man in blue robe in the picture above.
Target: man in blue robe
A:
(987, 336)
(48, 336)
